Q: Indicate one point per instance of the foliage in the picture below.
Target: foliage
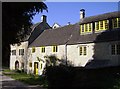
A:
(63, 76)
(16, 21)
(51, 60)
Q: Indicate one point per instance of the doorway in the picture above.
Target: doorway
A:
(36, 68)
(16, 65)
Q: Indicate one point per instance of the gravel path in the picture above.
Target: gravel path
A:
(9, 83)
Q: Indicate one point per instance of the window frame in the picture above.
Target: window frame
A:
(101, 25)
(30, 64)
(116, 50)
(83, 50)
(115, 23)
(86, 28)
(21, 51)
(13, 52)
(33, 49)
(43, 49)
(55, 48)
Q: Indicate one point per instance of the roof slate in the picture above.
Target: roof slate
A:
(54, 36)
(70, 34)
(37, 29)
(100, 17)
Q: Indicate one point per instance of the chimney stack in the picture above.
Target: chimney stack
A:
(44, 18)
(82, 14)
(68, 23)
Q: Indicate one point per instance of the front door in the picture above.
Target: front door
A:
(36, 68)
(16, 65)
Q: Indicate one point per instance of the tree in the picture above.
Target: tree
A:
(16, 21)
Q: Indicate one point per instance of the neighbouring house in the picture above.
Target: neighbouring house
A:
(93, 42)
(19, 52)
(55, 25)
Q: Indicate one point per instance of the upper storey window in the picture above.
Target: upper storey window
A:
(13, 52)
(42, 49)
(55, 49)
(116, 22)
(86, 28)
(101, 25)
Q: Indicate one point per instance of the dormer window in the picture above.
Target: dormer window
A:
(101, 25)
(116, 22)
(86, 28)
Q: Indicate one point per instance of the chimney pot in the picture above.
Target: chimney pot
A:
(43, 18)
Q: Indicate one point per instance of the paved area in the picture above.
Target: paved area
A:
(9, 83)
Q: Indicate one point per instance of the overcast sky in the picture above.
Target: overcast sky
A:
(64, 12)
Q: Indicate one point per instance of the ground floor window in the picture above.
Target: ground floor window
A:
(22, 65)
(83, 50)
(30, 64)
(115, 49)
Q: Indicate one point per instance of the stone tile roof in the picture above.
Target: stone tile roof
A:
(70, 34)
(37, 29)
(100, 17)
(54, 36)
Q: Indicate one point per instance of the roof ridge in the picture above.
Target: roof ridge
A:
(102, 14)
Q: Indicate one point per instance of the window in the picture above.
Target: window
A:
(83, 50)
(13, 52)
(30, 64)
(33, 49)
(89, 27)
(41, 66)
(101, 25)
(118, 49)
(116, 22)
(106, 24)
(96, 26)
(55, 48)
(21, 51)
(80, 50)
(115, 49)
(81, 28)
(42, 49)
(85, 28)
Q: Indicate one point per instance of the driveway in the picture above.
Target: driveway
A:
(9, 83)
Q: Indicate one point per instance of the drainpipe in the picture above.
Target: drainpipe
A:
(66, 53)
(66, 49)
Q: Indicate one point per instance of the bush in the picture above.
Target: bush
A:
(59, 76)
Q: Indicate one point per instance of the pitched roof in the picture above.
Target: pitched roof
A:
(37, 29)
(70, 34)
(100, 17)
(54, 36)
(109, 35)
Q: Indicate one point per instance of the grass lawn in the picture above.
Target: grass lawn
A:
(26, 78)
(106, 78)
